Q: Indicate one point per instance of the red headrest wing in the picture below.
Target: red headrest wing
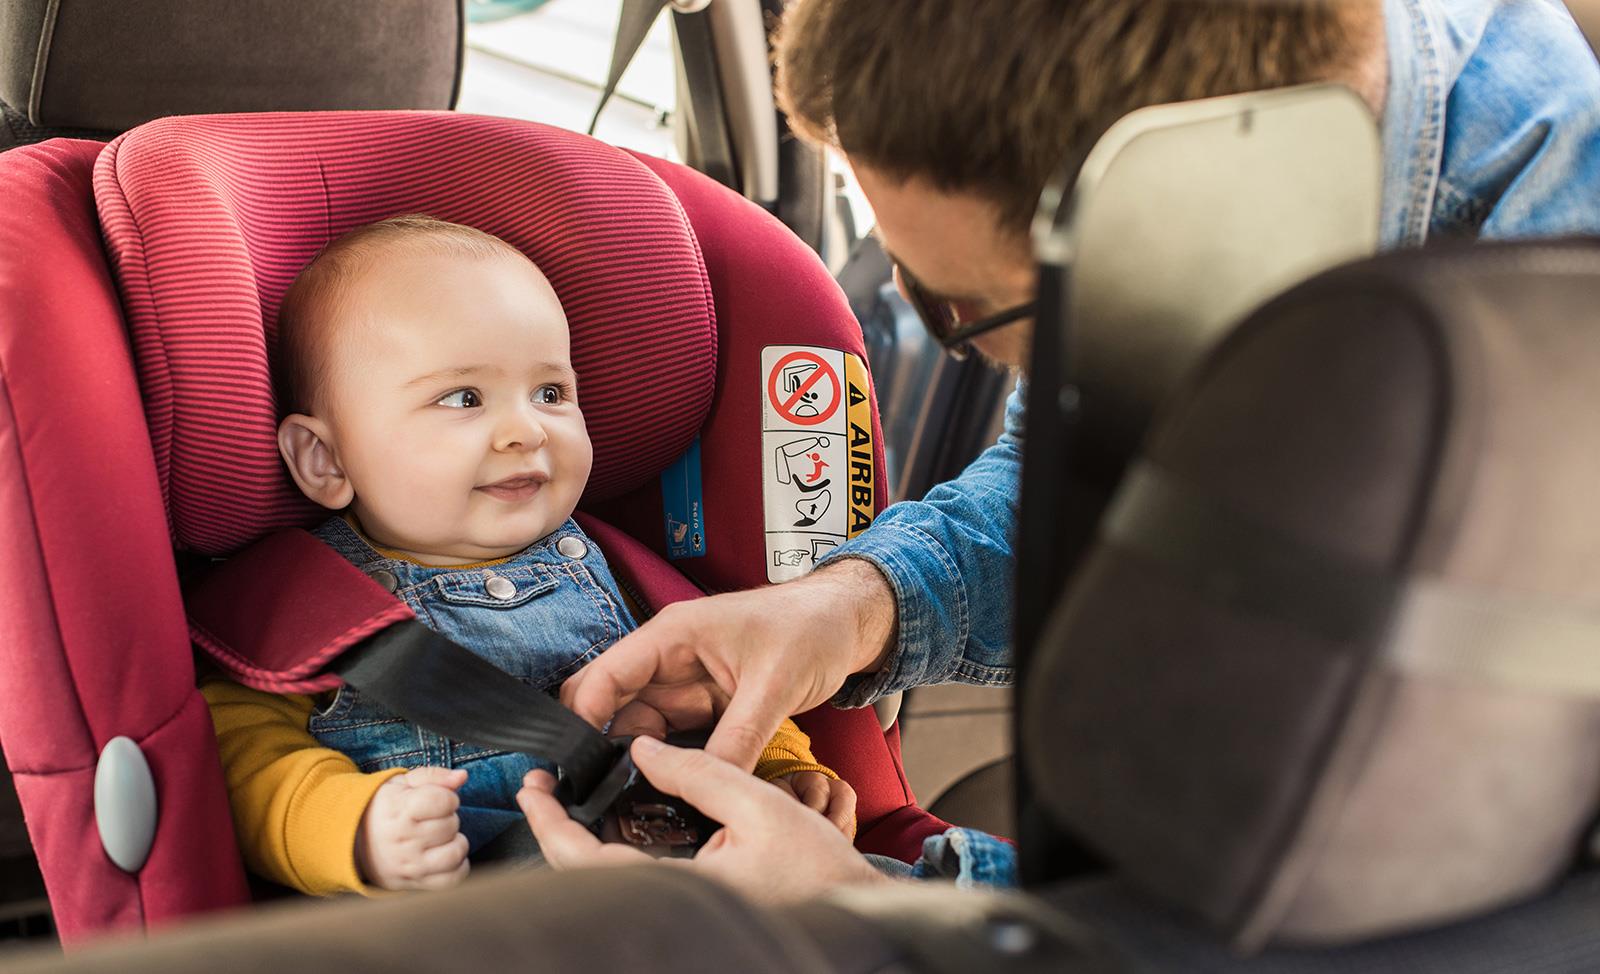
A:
(209, 218)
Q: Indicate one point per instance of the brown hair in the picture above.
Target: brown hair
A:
(300, 356)
(996, 96)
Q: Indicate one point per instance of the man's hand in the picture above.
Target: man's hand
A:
(770, 848)
(410, 836)
(832, 798)
(745, 660)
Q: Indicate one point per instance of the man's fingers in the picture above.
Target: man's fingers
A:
(573, 682)
(564, 842)
(600, 689)
(752, 717)
(714, 786)
(639, 719)
(451, 778)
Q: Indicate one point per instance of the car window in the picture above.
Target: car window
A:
(548, 62)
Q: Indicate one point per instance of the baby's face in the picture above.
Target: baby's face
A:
(452, 405)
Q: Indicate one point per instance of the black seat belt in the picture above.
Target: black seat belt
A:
(712, 149)
(633, 23)
(415, 673)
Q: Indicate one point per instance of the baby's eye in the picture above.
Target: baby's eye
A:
(549, 395)
(461, 399)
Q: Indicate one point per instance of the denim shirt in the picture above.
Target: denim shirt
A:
(1491, 129)
(539, 615)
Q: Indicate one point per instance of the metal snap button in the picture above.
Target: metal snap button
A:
(572, 547)
(385, 577)
(500, 587)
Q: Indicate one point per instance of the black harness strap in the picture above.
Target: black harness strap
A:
(415, 673)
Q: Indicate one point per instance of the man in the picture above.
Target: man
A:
(953, 116)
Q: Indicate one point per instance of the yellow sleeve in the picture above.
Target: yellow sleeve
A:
(296, 805)
(789, 752)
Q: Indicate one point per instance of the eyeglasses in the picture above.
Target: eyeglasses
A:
(946, 327)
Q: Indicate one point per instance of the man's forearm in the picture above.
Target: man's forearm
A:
(859, 584)
(947, 562)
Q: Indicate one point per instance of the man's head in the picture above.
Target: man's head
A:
(955, 115)
(425, 369)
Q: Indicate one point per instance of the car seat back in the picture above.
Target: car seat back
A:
(1330, 670)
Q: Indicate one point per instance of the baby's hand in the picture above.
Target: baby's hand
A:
(410, 836)
(820, 793)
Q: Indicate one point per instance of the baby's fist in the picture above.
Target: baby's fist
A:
(410, 836)
(827, 796)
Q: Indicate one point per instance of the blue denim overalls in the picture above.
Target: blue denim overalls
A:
(540, 615)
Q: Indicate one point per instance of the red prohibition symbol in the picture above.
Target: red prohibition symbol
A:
(795, 402)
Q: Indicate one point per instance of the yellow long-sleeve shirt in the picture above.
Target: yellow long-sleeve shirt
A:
(297, 805)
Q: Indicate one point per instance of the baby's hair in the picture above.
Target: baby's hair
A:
(299, 359)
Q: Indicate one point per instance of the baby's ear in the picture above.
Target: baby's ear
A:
(307, 448)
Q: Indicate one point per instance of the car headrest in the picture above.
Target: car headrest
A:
(208, 219)
(101, 64)
(1186, 216)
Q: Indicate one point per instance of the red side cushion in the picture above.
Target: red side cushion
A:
(92, 637)
(280, 611)
(209, 218)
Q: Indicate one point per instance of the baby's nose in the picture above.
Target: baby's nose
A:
(522, 431)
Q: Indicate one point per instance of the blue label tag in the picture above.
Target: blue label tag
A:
(683, 503)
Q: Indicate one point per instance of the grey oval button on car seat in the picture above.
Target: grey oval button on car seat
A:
(572, 547)
(125, 804)
(500, 587)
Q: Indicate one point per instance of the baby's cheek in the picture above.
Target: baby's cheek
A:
(420, 497)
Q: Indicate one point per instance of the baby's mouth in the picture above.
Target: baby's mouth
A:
(518, 488)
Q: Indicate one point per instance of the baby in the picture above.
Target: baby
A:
(426, 373)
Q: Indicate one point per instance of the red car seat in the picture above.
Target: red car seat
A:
(136, 418)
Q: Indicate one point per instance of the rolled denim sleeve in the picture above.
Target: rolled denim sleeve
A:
(949, 560)
(1521, 150)
(969, 857)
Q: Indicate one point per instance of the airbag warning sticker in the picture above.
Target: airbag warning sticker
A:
(817, 457)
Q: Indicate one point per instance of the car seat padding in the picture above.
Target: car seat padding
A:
(92, 639)
(94, 643)
(209, 218)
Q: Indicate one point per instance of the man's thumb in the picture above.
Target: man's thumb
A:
(743, 730)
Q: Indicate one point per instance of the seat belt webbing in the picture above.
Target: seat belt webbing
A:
(415, 673)
(633, 23)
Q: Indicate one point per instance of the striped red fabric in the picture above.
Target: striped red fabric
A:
(208, 219)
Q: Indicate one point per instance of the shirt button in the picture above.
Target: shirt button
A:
(572, 547)
(500, 587)
(385, 577)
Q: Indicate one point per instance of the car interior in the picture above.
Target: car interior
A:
(1348, 718)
